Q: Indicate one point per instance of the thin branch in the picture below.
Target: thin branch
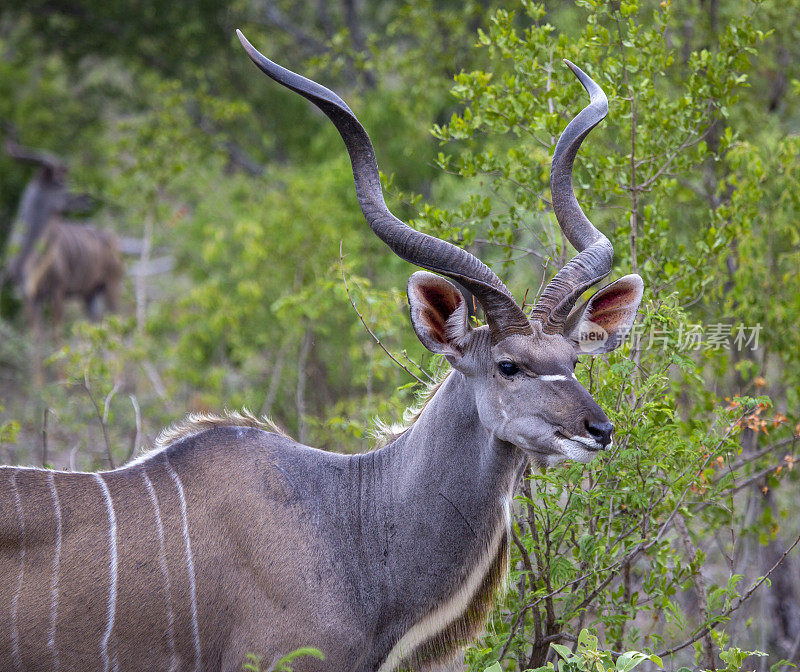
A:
(526, 560)
(278, 19)
(275, 375)
(99, 414)
(369, 331)
(155, 379)
(518, 248)
(140, 284)
(138, 417)
(44, 436)
(764, 451)
(72, 453)
(107, 402)
(302, 365)
(542, 283)
(735, 604)
(418, 365)
(691, 139)
(742, 484)
(642, 547)
(700, 587)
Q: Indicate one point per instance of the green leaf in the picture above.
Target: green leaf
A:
(561, 650)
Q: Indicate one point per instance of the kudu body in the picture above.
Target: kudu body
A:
(59, 259)
(229, 539)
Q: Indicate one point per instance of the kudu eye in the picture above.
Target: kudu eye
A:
(508, 368)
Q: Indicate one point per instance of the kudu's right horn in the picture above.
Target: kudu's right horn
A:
(504, 316)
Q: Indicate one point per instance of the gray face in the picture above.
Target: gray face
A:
(524, 385)
(527, 394)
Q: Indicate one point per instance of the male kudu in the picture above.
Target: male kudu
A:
(229, 539)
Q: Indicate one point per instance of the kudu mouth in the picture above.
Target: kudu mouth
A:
(585, 442)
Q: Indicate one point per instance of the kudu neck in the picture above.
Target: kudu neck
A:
(448, 472)
(448, 432)
(439, 537)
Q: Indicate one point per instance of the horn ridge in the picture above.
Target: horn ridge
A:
(575, 224)
(595, 252)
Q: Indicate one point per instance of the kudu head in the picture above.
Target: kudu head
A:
(521, 369)
(46, 196)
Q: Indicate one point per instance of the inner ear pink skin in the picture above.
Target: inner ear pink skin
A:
(438, 313)
(439, 306)
(613, 309)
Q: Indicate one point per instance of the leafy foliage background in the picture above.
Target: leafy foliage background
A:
(674, 543)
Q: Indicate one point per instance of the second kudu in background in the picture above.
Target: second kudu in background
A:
(59, 259)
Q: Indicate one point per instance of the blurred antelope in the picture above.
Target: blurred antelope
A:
(230, 538)
(60, 259)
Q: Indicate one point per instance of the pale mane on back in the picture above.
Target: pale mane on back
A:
(195, 423)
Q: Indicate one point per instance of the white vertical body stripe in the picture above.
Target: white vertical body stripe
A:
(51, 639)
(189, 562)
(162, 558)
(112, 581)
(20, 577)
(450, 609)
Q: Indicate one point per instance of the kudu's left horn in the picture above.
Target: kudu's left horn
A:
(595, 252)
(504, 316)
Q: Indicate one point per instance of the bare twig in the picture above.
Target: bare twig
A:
(277, 18)
(99, 414)
(72, 453)
(418, 365)
(155, 379)
(44, 436)
(634, 191)
(764, 451)
(138, 417)
(526, 560)
(735, 604)
(700, 587)
(141, 279)
(107, 403)
(275, 376)
(302, 365)
(541, 284)
(369, 331)
(742, 485)
(692, 138)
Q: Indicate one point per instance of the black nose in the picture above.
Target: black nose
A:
(600, 431)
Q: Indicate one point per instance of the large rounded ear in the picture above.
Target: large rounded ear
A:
(438, 314)
(603, 322)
